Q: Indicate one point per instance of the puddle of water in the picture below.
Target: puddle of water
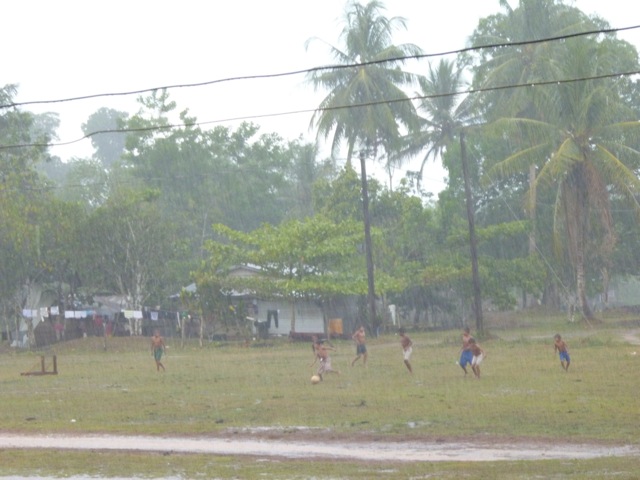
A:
(375, 451)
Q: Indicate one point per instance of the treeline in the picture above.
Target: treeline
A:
(540, 206)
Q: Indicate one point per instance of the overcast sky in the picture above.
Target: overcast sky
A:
(64, 48)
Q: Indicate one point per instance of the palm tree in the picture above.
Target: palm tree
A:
(365, 106)
(529, 62)
(445, 123)
(587, 136)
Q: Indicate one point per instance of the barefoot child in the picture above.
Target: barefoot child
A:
(157, 349)
(561, 347)
(322, 353)
(407, 348)
(361, 346)
(478, 356)
(465, 353)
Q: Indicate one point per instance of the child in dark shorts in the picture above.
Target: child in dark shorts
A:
(466, 356)
(562, 348)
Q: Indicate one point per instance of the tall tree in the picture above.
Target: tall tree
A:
(130, 249)
(366, 106)
(87, 182)
(315, 258)
(584, 138)
(444, 125)
(238, 177)
(107, 142)
(33, 226)
(531, 60)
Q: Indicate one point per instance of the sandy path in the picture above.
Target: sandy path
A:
(413, 451)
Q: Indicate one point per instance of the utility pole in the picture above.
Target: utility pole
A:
(371, 291)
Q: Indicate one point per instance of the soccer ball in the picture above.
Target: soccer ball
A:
(315, 379)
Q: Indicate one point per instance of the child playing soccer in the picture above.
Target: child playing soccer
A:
(561, 347)
(465, 353)
(321, 352)
(407, 345)
(478, 356)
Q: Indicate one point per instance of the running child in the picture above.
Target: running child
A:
(407, 348)
(359, 337)
(562, 348)
(478, 356)
(322, 353)
(465, 352)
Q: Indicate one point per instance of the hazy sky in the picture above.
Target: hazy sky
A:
(68, 48)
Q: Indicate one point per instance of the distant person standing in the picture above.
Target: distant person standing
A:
(359, 337)
(465, 352)
(407, 348)
(59, 329)
(478, 356)
(157, 349)
(562, 348)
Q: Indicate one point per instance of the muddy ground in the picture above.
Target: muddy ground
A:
(303, 443)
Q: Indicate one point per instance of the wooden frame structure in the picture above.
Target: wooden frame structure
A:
(43, 368)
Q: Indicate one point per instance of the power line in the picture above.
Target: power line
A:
(311, 110)
(315, 69)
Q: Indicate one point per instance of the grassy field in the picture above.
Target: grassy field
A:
(227, 388)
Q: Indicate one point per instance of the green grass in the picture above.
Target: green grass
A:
(223, 388)
(149, 465)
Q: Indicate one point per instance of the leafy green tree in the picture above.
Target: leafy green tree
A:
(43, 128)
(86, 182)
(405, 246)
(240, 178)
(340, 199)
(35, 245)
(366, 106)
(109, 144)
(129, 248)
(530, 61)
(34, 226)
(210, 279)
(314, 258)
(18, 127)
(304, 173)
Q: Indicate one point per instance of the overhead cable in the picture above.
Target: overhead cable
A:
(315, 69)
(311, 110)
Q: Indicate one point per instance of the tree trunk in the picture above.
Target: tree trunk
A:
(7, 326)
(371, 295)
(293, 315)
(182, 329)
(477, 298)
(581, 288)
(31, 333)
(532, 219)
(532, 209)
(201, 336)
(581, 235)
(605, 286)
